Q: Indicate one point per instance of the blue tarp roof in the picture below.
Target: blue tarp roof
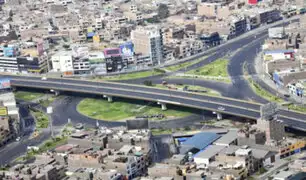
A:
(201, 140)
(90, 34)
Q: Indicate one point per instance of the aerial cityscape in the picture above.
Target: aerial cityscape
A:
(152, 90)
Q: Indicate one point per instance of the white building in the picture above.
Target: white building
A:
(148, 41)
(62, 62)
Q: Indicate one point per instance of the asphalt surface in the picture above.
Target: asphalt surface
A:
(67, 107)
(231, 106)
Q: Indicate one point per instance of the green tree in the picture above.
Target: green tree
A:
(148, 83)
(163, 11)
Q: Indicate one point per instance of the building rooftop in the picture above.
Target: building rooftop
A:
(284, 175)
(280, 51)
(227, 139)
(201, 140)
(209, 152)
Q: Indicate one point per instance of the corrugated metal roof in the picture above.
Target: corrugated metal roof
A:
(209, 152)
(201, 140)
(228, 138)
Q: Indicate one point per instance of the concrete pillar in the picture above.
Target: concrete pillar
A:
(163, 106)
(109, 98)
(219, 116)
(57, 93)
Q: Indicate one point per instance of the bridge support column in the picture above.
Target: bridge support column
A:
(55, 92)
(163, 105)
(219, 116)
(109, 98)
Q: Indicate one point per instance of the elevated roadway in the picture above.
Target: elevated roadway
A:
(229, 106)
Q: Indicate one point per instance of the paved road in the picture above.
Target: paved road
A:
(232, 106)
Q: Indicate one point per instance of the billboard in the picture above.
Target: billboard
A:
(112, 52)
(5, 83)
(9, 51)
(127, 49)
(3, 111)
(137, 124)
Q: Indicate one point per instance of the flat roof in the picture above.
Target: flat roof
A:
(284, 175)
(209, 152)
(280, 51)
(201, 140)
(228, 138)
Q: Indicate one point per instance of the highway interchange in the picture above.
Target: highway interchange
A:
(245, 47)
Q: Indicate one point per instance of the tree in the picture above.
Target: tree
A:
(148, 83)
(163, 11)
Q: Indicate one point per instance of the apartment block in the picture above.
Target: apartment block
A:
(149, 41)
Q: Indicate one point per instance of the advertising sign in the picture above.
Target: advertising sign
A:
(5, 83)
(127, 49)
(9, 51)
(112, 52)
(3, 111)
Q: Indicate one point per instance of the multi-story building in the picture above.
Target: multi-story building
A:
(149, 41)
(171, 33)
(62, 62)
(275, 130)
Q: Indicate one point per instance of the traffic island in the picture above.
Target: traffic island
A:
(122, 109)
(216, 70)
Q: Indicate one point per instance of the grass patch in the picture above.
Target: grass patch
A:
(183, 65)
(263, 93)
(28, 96)
(46, 146)
(294, 107)
(120, 110)
(196, 89)
(53, 143)
(161, 131)
(134, 75)
(42, 120)
(217, 68)
(47, 102)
